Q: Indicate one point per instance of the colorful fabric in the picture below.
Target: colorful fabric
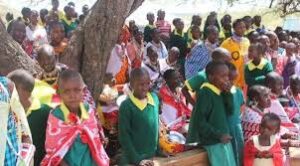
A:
(38, 35)
(238, 50)
(138, 129)
(164, 27)
(27, 46)
(70, 25)
(251, 119)
(66, 130)
(255, 75)
(173, 108)
(195, 82)
(289, 69)
(210, 114)
(135, 52)
(199, 57)
(220, 154)
(10, 156)
(252, 147)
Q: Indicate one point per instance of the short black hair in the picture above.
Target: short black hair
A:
(218, 53)
(54, 24)
(259, 47)
(168, 74)
(154, 30)
(270, 117)
(272, 77)
(138, 73)
(67, 75)
(236, 22)
(25, 10)
(22, 79)
(175, 21)
(211, 28)
(255, 91)
(194, 17)
(294, 79)
(213, 67)
(71, 4)
(44, 12)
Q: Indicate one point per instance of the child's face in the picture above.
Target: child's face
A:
(150, 18)
(19, 33)
(139, 37)
(47, 62)
(270, 128)
(175, 80)
(240, 29)
(153, 56)
(277, 87)
(264, 99)
(141, 86)
(180, 25)
(71, 93)
(254, 54)
(290, 49)
(221, 78)
(57, 34)
(213, 36)
(196, 33)
(295, 87)
(34, 18)
(173, 56)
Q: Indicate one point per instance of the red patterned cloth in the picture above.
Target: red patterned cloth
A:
(251, 119)
(27, 46)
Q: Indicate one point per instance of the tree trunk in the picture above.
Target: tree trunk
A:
(12, 55)
(89, 48)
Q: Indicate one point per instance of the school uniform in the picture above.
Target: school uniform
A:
(147, 30)
(255, 75)
(37, 116)
(208, 123)
(238, 48)
(195, 82)
(179, 41)
(138, 129)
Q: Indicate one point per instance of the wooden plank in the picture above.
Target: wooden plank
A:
(189, 158)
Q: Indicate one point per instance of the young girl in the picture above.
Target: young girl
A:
(174, 110)
(73, 136)
(139, 121)
(259, 100)
(257, 69)
(264, 149)
(208, 125)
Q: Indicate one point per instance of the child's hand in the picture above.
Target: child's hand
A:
(225, 138)
(146, 163)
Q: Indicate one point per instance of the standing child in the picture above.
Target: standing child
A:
(139, 122)
(208, 125)
(259, 100)
(149, 27)
(290, 62)
(264, 149)
(57, 38)
(135, 49)
(257, 69)
(234, 100)
(36, 112)
(73, 136)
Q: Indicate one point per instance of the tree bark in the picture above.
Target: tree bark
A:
(12, 56)
(90, 46)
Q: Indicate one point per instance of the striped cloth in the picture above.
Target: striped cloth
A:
(164, 27)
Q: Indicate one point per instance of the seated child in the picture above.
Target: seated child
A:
(193, 84)
(289, 63)
(257, 69)
(234, 100)
(293, 95)
(57, 38)
(139, 121)
(275, 82)
(208, 125)
(72, 135)
(151, 64)
(37, 112)
(258, 100)
(264, 149)
(174, 110)
(170, 62)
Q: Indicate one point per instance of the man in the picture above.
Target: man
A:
(201, 54)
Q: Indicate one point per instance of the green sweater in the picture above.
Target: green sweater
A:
(195, 83)
(37, 121)
(255, 75)
(208, 121)
(138, 129)
(147, 30)
(179, 41)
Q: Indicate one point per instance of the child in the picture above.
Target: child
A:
(170, 62)
(257, 69)
(37, 112)
(151, 64)
(208, 125)
(135, 49)
(57, 38)
(259, 100)
(72, 135)
(156, 42)
(195, 37)
(193, 84)
(292, 92)
(264, 149)
(139, 121)
(234, 100)
(174, 110)
(290, 62)
(68, 21)
(149, 27)
(275, 82)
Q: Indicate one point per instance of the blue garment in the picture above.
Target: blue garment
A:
(197, 61)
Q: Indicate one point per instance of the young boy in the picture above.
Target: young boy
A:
(69, 22)
(149, 27)
(72, 136)
(37, 112)
(193, 84)
(170, 62)
(139, 121)
(208, 125)
(57, 38)
(257, 69)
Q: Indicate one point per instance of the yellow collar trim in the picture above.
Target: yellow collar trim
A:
(35, 105)
(151, 26)
(261, 65)
(66, 112)
(176, 33)
(212, 88)
(141, 105)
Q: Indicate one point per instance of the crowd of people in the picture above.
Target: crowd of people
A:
(232, 89)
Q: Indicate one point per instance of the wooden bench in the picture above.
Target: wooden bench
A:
(196, 157)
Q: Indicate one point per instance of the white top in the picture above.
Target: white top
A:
(164, 66)
(161, 49)
(263, 161)
(38, 36)
(115, 61)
